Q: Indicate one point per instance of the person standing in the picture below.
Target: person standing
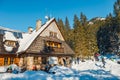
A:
(103, 61)
(78, 60)
(96, 55)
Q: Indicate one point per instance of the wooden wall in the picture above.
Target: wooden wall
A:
(3, 56)
(1, 42)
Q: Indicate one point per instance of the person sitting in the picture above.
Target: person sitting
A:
(34, 68)
(9, 69)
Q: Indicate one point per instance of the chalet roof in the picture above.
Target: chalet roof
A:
(27, 39)
(67, 49)
(7, 29)
(28, 42)
(9, 36)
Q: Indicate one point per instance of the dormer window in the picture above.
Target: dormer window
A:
(17, 35)
(53, 44)
(53, 34)
(10, 43)
(2, 31)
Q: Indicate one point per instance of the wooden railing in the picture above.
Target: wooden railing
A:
(49, 49)
(59, 50)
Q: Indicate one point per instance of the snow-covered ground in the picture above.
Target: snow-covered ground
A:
(88, 70)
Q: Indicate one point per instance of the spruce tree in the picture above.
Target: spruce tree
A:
(68, 33)
(61, 26)
(117, 8)
(76, 35)
(67, 25)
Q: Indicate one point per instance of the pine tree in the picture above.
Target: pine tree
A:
(76, 35)
(117, 15)
(79, 38)
(67, 25)
(67, 30)
(117, 23)
(117, 8)
(83, 19)
(61, 26)
(85, 34)
(68, 33)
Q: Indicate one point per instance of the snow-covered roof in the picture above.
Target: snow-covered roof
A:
(27, 39)
(7, 29)
(9, 36)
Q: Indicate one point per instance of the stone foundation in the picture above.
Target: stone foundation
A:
(30, 63)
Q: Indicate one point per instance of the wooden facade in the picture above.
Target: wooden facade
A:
(39, 52)
(7, 58)
(1, 43)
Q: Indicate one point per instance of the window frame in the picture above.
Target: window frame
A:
(5, 60)
(11, 60)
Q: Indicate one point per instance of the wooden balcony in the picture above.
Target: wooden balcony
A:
(50, 49)
(58, 50)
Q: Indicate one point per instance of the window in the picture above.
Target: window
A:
(53, 44)
(20, 35)
(59, 45)
(10, 43)
(53, 34)
(11, 60)
(17, 35)
(2, 31)
(6, 61)
(35, 60)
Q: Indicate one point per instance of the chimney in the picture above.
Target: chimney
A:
(30, 30)
(38, 24)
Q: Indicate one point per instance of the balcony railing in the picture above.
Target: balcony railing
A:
(50, 49)
(59, 50)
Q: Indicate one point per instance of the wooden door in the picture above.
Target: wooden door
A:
(1, 61)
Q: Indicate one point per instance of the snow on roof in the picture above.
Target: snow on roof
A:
(9, 36)
(3, 28)
(29, 38)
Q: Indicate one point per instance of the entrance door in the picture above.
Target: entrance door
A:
(44, 60)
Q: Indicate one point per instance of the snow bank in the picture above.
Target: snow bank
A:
(58, 70)
(13, 66)
(3, 69)
(88, 70)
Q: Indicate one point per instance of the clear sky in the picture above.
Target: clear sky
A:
(19, 14)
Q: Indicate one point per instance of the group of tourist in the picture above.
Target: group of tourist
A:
(99, 57)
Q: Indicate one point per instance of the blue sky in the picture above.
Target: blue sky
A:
(20, 14)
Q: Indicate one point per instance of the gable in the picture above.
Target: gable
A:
(36, 46)
(53, 27)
